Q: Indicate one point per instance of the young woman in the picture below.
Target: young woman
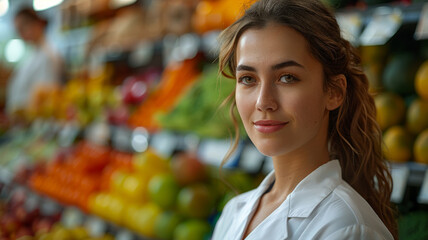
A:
(304, 101)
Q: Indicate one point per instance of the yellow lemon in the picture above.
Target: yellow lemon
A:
(397, 144)
(421, 81)
(420, 148)
(417, 116)
(390, 109)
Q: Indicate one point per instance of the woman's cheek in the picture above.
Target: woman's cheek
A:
(310, 111)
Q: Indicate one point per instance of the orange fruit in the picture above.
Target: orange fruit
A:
(390, 109)
(397, 144)
(233, 9)
(420, 148)
(417, 116)
(421, 81)
(204, 10)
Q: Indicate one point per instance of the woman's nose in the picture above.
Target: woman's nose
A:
(266, 98)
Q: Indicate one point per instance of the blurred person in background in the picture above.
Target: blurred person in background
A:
(41, 69)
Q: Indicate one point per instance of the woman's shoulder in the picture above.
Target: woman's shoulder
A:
(354, 212)
(349, 200)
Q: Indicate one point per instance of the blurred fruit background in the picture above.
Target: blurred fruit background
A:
(129, 145)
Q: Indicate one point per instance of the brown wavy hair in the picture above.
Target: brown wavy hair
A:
(353, 133)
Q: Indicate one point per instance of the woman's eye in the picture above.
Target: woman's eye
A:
(288, 78)
(246, 80)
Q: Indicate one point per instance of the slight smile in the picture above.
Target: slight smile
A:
(269, 126)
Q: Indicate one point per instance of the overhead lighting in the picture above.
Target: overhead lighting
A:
(121, 3)
(40, 5)
(14, 50)
(4, 6)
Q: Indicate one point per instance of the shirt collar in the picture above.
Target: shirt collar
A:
(301, 202)
(314, 188)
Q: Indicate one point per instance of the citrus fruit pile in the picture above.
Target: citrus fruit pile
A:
(161, 198)
(402, 109)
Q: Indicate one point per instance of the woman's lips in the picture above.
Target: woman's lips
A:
(269, 126)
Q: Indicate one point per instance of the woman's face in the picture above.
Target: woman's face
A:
(279, 91)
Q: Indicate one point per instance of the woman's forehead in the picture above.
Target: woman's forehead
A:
(274, 42)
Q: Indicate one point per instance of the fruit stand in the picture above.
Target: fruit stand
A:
(130, 146)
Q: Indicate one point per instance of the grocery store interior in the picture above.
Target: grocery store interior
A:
(127, 140)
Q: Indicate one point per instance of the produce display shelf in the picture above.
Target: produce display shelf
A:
(73, 216)
(411, 13)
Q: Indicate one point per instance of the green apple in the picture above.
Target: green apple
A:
(165, 224)
(193, 230)
(163, 190)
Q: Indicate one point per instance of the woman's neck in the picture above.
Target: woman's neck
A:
(293, 168)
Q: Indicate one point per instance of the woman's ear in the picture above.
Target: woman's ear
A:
(336, 93)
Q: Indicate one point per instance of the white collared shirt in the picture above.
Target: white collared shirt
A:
(322, 206)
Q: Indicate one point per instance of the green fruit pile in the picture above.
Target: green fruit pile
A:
(198, 111)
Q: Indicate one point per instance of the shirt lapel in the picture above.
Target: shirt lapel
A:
(300, 203)
(263, 231)
(314, 188)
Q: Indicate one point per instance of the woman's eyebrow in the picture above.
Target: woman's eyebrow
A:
(242, 67)
(289, 63)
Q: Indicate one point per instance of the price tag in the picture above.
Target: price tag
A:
(5, 176)
(423, 194)
(188, 143)
(122, 138)
(251, 159)
(142, 54)
(49, 207)
(399, 175)
(37, 127)
(68, 134)
(36, 124)
(267, 165)
(52, 130)
(186, 47)
(124, 235)
(20, 161)
(384, 24)
(32, 202)
(210, 43)
(422, 27)
(164, 143)
(350, 25)
(140, 139)
(95, 226)
(213, 151)
(72, 217)
(98, 133)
